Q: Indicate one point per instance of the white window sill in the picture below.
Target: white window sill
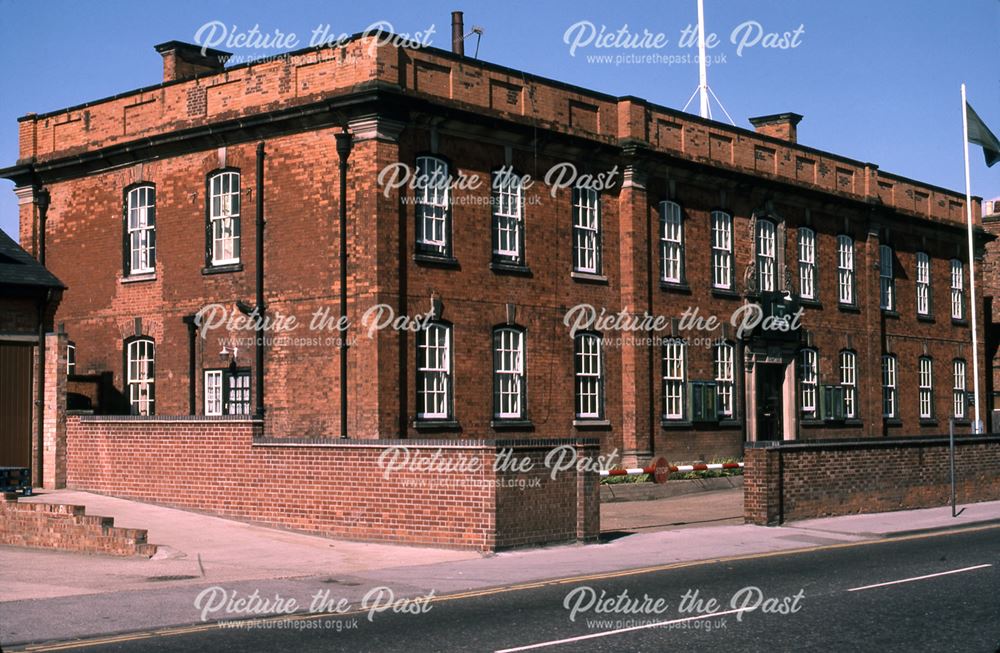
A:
(139, 277)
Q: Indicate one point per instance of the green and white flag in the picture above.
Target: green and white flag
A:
(980, 134)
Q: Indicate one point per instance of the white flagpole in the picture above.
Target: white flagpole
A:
(977, 428)
(706, 111)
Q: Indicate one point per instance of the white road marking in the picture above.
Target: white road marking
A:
(910, 580)
(606, 633)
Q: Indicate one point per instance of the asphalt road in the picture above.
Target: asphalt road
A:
(931, 593)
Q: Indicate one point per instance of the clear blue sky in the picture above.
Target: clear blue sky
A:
(876, 81)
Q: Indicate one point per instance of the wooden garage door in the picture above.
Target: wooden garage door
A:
(15, 404)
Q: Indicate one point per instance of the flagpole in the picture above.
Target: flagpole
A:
(972, 264)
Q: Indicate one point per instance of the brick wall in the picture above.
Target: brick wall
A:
(336, 488)
(805, 480)
(67, 528)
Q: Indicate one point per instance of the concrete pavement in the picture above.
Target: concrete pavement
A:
(192, 548)
(122, 596)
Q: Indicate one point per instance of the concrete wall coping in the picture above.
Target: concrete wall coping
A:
(914, 441)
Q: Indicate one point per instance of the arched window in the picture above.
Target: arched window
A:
(725, 378)
(70, 359)
(140, 374)
(509, 397)
(889, 403)
(434, 386)
(589, 372)
(849, 382)
(674, 377)
(223, 228)
(958, 389)
(925, 400)
(809, 382)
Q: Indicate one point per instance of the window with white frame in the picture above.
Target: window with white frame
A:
(725, 378)
(807, 263)
(849, 382)
(589, 369)
(887, 283)
(923, 284)
(671, 243)
(925, 399)
(434, 386)
(958, 396)
(227, 391)
(845, 270)
(213, 392)
(508, 217)
(508, 373)
(140, 370)
(70, 359)
(674, 355)
(433, 207)
(767, 269)
(140, 230)
(586, 231)
(224, 217)
(808, 384)
(957, 290)
(889, 405)
(722, 250)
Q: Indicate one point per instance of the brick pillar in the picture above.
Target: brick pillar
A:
(762, 487)
(54, 429)
(374, 232)
(634, 238)
(868, 297)
(588, 496)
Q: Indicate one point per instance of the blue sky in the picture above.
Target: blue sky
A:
(876, 81)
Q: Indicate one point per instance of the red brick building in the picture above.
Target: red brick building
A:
(991, 315)
(156, 195)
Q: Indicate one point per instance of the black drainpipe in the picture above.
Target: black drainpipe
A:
(259, 340)
(344, 142)
(42, 198)
(189, 320)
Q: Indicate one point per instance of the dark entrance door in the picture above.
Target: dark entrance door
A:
(15, 404)
(769, 410)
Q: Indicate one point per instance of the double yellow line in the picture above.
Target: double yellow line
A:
(200, 628)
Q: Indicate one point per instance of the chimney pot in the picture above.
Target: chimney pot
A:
(183, 60)
(778, 125)
(457, 33)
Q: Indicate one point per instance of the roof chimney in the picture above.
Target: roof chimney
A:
(778, 125)
(457, 33)
(184, 60)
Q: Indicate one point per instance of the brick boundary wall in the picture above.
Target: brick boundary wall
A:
(803, 480)
(67, 528)
(222, 465)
